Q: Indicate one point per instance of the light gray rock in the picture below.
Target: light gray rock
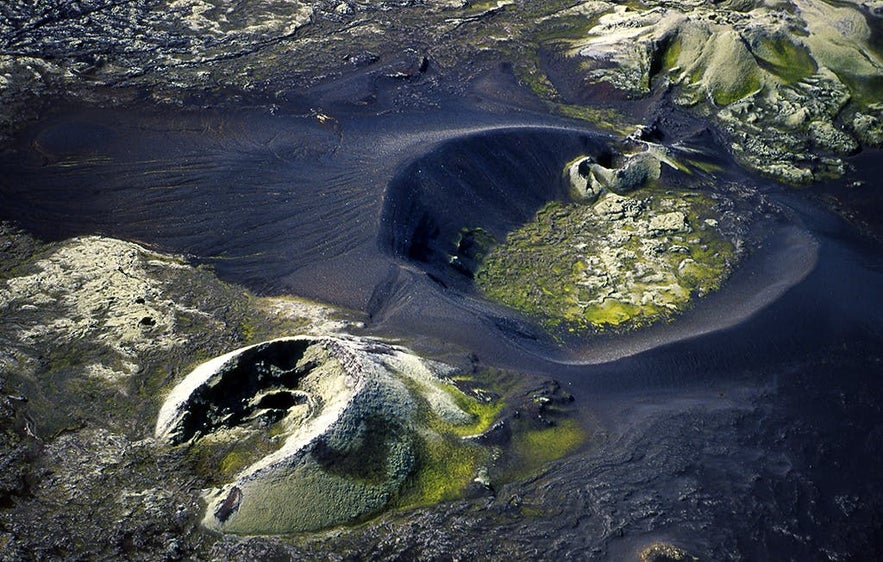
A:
(581, 184)
(637, 171)
(868, 128)
(586, 179)
(776, 80)
(829, 138)
(675, 221)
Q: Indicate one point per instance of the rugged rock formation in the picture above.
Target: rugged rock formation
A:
(587, 179)
(92, 330)
(664, 552)
(793, 83)
(287, 435)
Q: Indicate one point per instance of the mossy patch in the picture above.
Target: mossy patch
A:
(451, 457)
(784, 58)
(447, 463)
(222, 461)
(535, 447)
(625, 261)
(672, 54)
(603, 118)
(483, 414)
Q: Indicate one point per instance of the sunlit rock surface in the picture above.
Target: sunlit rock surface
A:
(664, 552)
(91, 330)
(794, 84)
(587, 179)
(669, 464)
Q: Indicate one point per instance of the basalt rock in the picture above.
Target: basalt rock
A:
(623, 260)
(587, 179)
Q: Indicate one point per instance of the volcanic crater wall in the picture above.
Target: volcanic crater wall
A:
(493, 181)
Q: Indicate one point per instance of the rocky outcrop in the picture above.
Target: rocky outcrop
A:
(665, 552)
(121, 297)
(777, 78)
(287, 435)
(99, 289)
(92, 329)
(587, 179)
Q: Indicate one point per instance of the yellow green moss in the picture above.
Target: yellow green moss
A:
(484, 414)
(485, 6)
(221, 461)
(603, 118)
(725, 95)
(672, 54)
(782, 57)
(446, 463)
(233, 462)
(574, 268)
(446, 466)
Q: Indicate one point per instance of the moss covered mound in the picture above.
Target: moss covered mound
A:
(309, 432)
(321, 430)
(623, 261)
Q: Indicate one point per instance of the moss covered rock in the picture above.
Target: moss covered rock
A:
(776, 77)
(625, 260)
(323, 431)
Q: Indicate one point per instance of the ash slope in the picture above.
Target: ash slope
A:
(360, 212)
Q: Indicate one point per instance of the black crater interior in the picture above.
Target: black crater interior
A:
(260, 380)
(439, 206)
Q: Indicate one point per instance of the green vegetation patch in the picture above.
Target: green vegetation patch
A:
(447, 465)
(604, 118)
(452, 456)
(533, 448)
(446, 462)
(220, 460)
(624, 261)
(784, 58)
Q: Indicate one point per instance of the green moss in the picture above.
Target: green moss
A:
(446, 465)
(672, 54)
(484, 415)
(485, 6)
(261, 323)
(784, 58)
(866, 91)
(704, 165)
(612, 312)
(572, 268)
(563, 30)
(603, 118)
(531, 75)
(221, 461)
(233, 462)
(730, 93)
(247, 328)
